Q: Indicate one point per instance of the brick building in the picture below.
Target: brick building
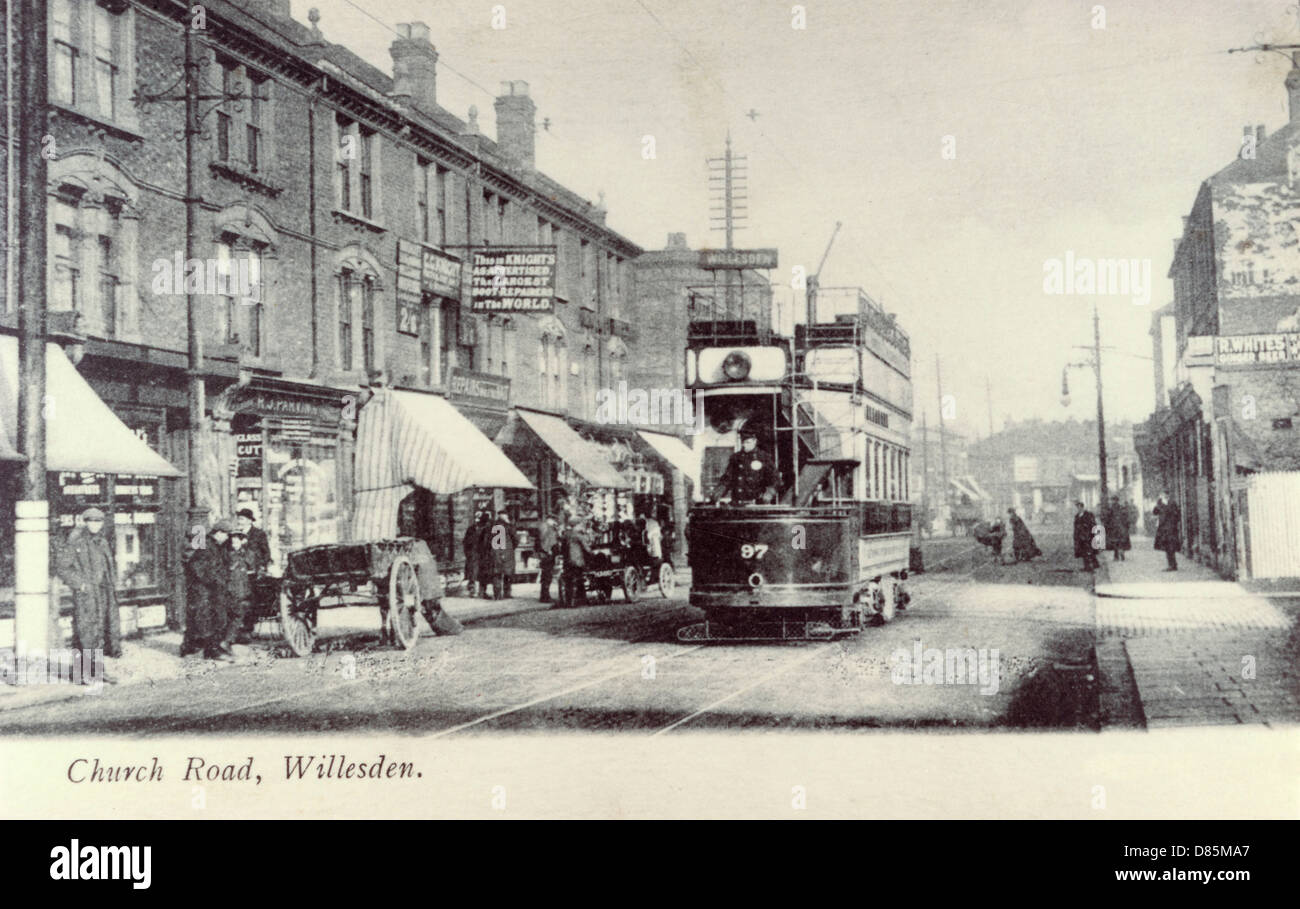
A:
(338, 206)
(1224, 439)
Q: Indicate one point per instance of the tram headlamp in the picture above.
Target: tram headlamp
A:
(736, 366)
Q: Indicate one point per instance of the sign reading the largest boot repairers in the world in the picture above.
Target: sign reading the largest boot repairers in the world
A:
(513, 279)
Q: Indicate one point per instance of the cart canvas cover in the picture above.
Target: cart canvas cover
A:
(407, 439)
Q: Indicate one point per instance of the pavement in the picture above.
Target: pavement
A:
(155, 657)
(1192, 649)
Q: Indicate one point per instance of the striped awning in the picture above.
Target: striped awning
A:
(407, 439)
(585, 458)
(81, 432)
(674, 451)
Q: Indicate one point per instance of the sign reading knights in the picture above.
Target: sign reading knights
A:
(513, 279)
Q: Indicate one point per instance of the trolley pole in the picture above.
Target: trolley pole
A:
(35, 613)
(943, 445)
(1101, 414)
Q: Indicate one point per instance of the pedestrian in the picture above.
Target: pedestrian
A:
(1023, 546)
(472, 544)
(257, 552)
(1169, 530)
(654, 539)
(1085, 526)
(85, 564)
(548, 547)
(577, 549)
(1118, 524)
(990, 535)
(240, 559)
(208, 607)
(501, 555)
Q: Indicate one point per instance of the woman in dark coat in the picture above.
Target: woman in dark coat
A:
(1169, 531)
(1023, 546)
(501, 555)
(472, 543)
(1118, 527)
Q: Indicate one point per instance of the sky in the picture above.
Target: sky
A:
(963, 146)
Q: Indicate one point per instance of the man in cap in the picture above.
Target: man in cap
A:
(1086, 539)
(548, 547)
(750, 477)
(577, 549)
(85, 564)
(207, 595)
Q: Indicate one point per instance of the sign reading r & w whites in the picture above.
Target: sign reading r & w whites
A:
(1244, 350)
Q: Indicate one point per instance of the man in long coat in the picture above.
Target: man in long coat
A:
(208, 606)
(1084, 526)
(1115, 518)
(501, 554)
(85, 564)
(1023, 546)
(548, 547)
(472, 544)
(1169, 531)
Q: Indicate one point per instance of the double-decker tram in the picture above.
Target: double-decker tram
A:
(805, 526)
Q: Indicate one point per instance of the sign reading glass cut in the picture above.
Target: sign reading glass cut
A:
(513, 279)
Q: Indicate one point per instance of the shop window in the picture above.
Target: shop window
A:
(300, 504)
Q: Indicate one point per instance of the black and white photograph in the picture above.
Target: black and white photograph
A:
(652, 409)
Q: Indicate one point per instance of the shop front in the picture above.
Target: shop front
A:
(282, 451)
(95, 458)
(421, 469)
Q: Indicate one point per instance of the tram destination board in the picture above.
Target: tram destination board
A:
(722, 259)
(513, 279)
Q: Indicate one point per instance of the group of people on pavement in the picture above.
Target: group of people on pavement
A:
(489, 548)
(221, 577)
(1023, 546)
(578, 543)
(1114, 531)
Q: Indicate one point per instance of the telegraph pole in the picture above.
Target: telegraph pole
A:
(35, 613)
(1101, 415)
(943, 444)
(925, 466)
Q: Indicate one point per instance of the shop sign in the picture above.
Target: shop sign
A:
(75, 486)
(479, 387)
(440, 274)
(275, 405)
(1248, 350)
(513, 279)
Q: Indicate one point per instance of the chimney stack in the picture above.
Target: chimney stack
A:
(516, 134)
(677, 241)
(415, 66)
(1293, 87)
(278, 8)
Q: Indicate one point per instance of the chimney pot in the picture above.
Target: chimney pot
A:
(677, 241)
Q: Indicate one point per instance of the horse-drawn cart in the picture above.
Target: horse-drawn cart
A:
(399, 576)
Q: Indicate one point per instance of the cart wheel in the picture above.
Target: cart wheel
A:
(667, 580)
(403, 601)
(298, 631)
(632, 584)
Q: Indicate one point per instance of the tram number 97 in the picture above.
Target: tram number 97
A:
(753, 550)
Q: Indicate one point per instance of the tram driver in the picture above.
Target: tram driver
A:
(750, 477)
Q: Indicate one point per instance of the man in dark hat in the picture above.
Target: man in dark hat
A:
(548, 547)
(577, 549)
(208, 608)
(241, 591)
(750, 477)
(85, 564)
(501, 553)
(1169, 530)
(257, 555)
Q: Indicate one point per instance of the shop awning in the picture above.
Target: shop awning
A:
(674, 451)
(406, 439)
(81, 432)
(582, 456)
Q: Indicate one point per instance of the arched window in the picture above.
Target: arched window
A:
(92, 236)
(357, 288)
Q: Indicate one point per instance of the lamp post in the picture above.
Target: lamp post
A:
(1095, 363)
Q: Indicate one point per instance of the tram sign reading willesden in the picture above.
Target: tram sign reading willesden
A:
(737, 258)
(513, 279)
